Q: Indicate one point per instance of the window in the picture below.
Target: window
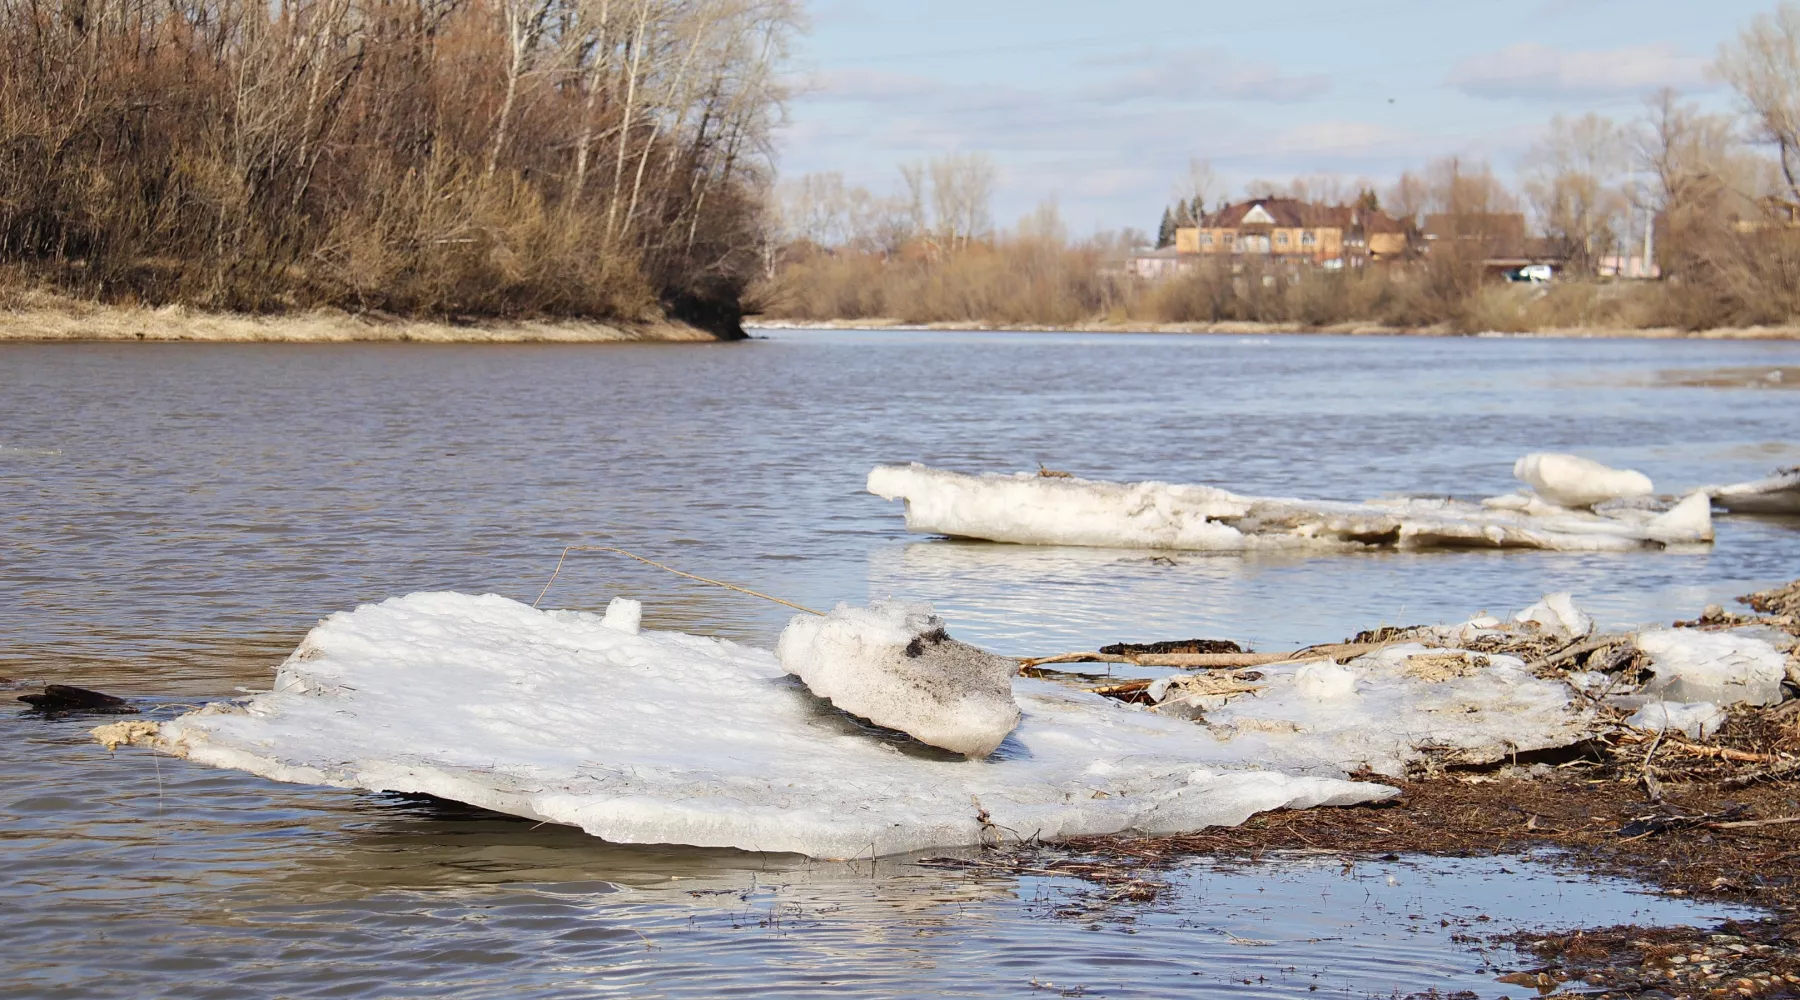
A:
(1309, 238)
(1206, 239)
(1281, 238)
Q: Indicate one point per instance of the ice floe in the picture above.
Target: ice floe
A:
(1031, 509)
(1777, 494)
(1730, 667)
(1573, 481)
(1390, 710)
(1697, 720)
(894, 664)
(1558, 616)
(641, 736)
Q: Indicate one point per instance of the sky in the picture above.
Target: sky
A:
(1101, 105)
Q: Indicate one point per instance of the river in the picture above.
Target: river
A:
(176, 516)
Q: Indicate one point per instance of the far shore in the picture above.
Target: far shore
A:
(84, 322)
(1274, 329)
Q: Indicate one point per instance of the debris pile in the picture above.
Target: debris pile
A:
(1750, 958)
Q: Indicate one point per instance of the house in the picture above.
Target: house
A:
(1294, 231)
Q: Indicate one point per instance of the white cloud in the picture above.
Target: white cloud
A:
(1532, 70)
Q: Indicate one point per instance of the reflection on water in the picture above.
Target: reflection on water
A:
(177, 516)
(170, 879)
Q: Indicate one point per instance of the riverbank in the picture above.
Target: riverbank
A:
(1246, 329)
(75, 321)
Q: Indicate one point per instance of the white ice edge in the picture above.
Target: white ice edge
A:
(1029, 509)
(668, 738)
(1777, 494)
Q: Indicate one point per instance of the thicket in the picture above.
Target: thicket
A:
(589, 158)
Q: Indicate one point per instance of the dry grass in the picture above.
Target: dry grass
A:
(1729, 282)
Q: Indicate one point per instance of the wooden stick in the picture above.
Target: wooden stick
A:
(1745, 824)
(1211, 661)
(1578, 649)
(666, 569)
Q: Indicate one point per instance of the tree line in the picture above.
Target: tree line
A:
(1714, 196)
(592, 158)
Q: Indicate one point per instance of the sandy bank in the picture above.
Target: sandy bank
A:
(1272, 329)
(86, 322)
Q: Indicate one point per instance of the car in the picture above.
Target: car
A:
(1536, 274)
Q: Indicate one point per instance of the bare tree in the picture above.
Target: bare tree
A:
(1408, 197)
(962, 193)
(1574, 181)
(1763, 65)
(1198, 187)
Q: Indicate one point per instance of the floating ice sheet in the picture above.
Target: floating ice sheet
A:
(1778, 494)
(661, 737)
(1037, 510)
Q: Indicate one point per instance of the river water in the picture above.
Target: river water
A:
(174, 517)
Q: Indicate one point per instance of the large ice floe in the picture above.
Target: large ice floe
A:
(640, 736)
(1033, 509)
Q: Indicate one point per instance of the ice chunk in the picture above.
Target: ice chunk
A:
(624, 614)
(662, 737)
(1778, 494)
(1392, 709)
(893, 664)
(1030, 509)
(1685, 523)
(1573, 481)
(1558, 616)
(1726, 668)
(1697, 719)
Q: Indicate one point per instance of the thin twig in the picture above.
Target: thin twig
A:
(1745, 824)
(1578, 649)
(666, 569)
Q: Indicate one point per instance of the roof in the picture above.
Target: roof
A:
(1292, 213)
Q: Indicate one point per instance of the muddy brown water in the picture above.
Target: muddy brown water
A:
(176, 516)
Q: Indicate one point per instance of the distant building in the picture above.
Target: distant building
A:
(1155, 265)
(1294, 231)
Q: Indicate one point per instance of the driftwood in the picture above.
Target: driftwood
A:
(1210, 661)
(65, 699)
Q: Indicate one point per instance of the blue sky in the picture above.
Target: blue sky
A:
(1101, 105)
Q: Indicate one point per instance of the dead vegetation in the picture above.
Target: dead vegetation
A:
(477, 158)
(1715, 818)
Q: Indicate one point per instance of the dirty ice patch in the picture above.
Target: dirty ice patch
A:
(1031, 509)
(668, 738)
(894, 664)
(1398, 708)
